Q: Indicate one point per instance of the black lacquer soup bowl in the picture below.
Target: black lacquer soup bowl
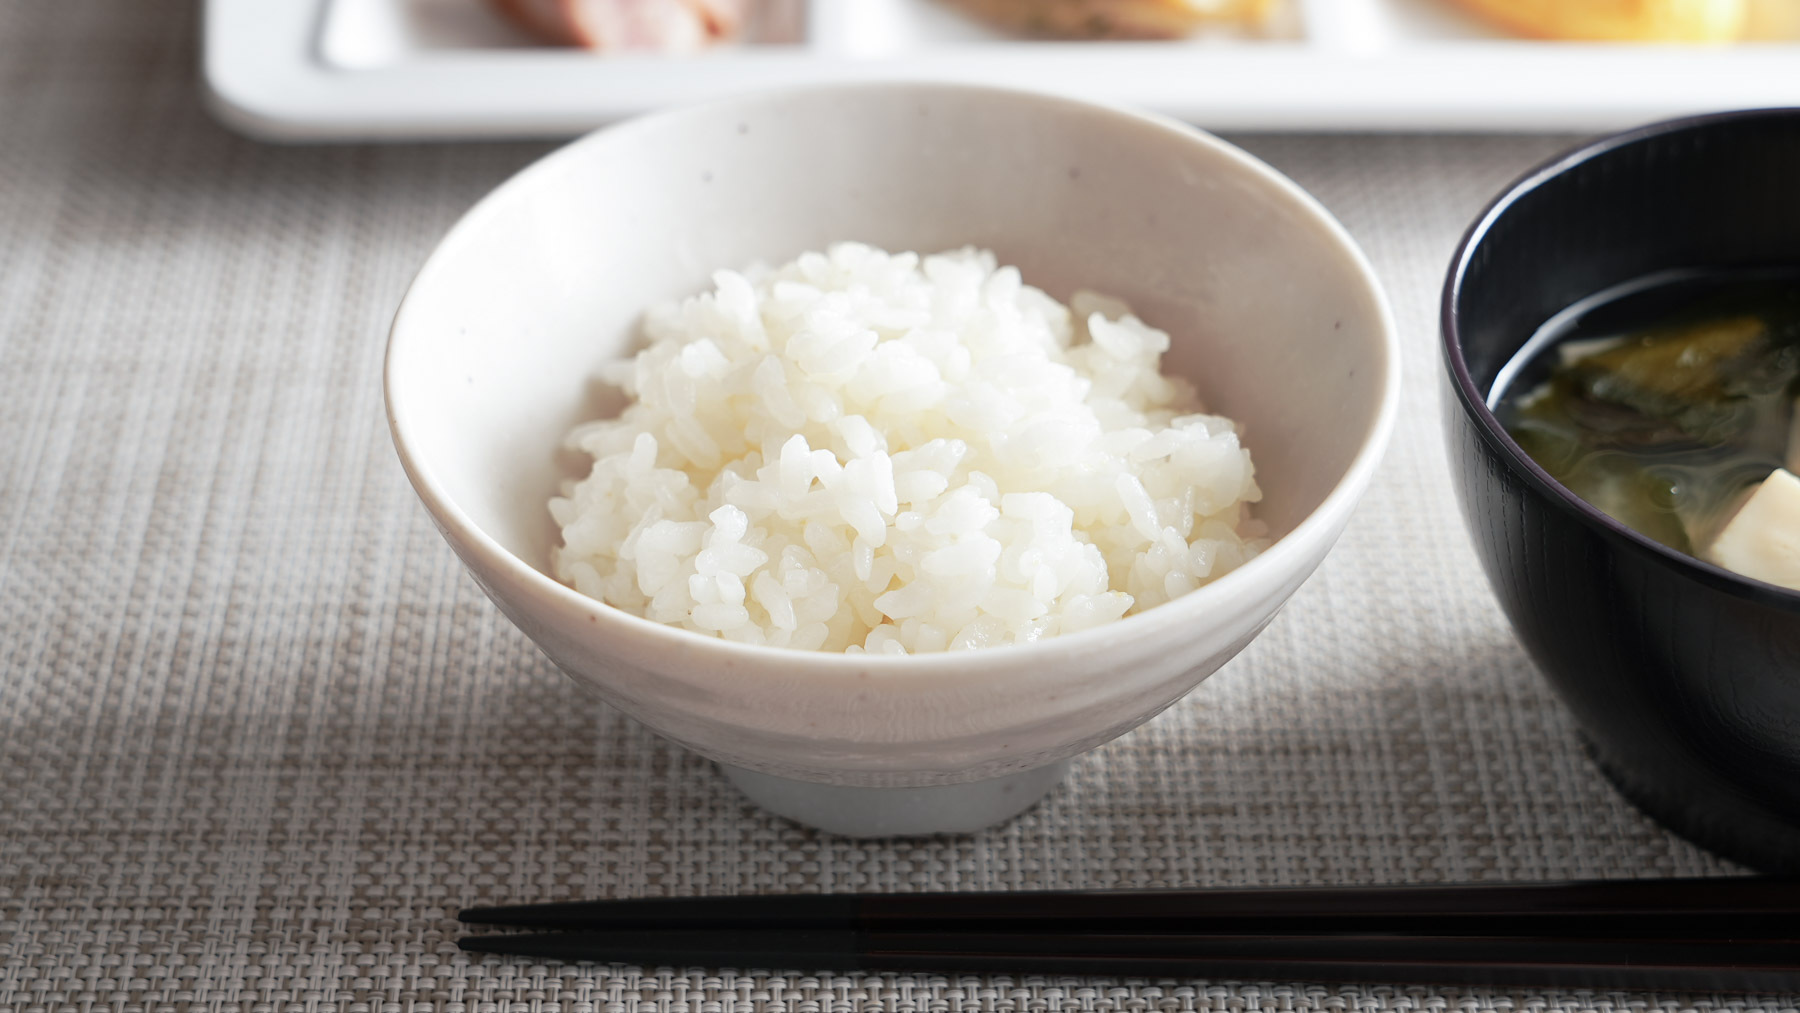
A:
(1685, 678)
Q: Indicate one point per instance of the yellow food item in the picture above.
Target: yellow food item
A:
(1773, 20)
(1763, 540)
(1620, 20)
(1117, 19)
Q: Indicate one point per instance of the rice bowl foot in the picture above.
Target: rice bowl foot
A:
(899, 812)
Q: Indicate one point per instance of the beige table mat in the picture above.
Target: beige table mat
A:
(259, 736)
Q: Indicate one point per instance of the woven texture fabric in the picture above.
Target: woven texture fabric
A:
(260, 736)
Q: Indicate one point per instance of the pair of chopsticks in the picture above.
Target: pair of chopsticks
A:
(1738, 934)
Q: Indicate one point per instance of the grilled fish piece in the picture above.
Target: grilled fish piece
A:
(1116, 19)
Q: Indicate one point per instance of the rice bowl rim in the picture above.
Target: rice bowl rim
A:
(1286, 554)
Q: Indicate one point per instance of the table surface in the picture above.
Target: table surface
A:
(260, 736)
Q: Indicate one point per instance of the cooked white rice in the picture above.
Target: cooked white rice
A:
(863, 451)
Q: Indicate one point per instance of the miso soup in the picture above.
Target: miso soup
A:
(1664, 402)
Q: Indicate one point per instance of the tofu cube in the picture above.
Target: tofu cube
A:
(1763, 540)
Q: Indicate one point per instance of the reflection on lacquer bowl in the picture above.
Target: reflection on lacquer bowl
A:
(494, 348)
(1685, 677)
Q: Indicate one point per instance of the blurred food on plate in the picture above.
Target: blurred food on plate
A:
(667, 26)
(1643, 20)
(1772, 20)
(1116, 19)
(680, 26)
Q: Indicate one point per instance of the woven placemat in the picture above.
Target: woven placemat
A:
(260, 736)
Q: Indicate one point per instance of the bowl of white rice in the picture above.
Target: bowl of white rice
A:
(892, 444)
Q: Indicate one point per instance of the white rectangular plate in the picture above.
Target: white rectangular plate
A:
(410, 69)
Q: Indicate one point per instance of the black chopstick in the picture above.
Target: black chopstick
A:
(1742, 905)
(1684, 964)
(1731, 934)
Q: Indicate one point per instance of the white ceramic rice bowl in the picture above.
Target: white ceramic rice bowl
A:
(1274, 314)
